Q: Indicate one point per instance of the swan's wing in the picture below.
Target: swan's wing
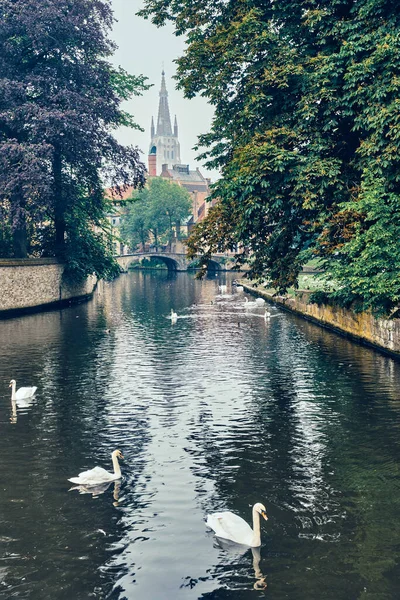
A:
(24, 403)
(25, 392)
(92, 477)
(230, 527)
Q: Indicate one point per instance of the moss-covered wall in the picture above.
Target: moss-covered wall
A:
(382, 333)
(33, 283)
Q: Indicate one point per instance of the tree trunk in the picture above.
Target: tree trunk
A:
(59, 208)
(20, 242)
(18, 227)
(170, 233)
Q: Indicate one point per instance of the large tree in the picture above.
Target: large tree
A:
(306, 130)
(60, 103)
(156, 213)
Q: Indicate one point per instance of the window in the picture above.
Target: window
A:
(172, 154)
(167, 153)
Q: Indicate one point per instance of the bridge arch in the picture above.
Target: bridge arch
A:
(212, 265)
(172, 264)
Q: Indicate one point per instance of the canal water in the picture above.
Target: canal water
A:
(218, 411)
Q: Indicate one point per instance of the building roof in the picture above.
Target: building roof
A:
(191, 180)
(125, 194)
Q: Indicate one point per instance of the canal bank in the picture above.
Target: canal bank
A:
(382, 334)
(28, 285)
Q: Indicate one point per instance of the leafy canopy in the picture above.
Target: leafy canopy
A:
(60, 103)
(306, 133)
(156, 213)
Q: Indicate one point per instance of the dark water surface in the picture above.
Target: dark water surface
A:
(219, 411)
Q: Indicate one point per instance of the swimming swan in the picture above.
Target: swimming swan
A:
(174, 316)
(229, 526)
(248, 305)
(260, 301)
(23, 393)
(99, 475)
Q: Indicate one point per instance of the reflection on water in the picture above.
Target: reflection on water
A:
(261, 580)
(234, 552)
(97, 490)
(216, 412)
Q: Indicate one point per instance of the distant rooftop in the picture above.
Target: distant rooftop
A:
(125, 195)
(184, 174)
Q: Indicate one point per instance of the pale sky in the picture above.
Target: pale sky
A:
(145, 49)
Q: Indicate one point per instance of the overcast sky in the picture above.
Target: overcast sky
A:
(144, 49)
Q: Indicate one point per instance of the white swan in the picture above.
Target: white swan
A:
(23, 393)
(260, 301)
(248, 305)
(99, 475)
(229, 526)
(174, 316)
(239, 288)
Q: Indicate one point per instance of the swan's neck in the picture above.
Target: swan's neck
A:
(13, 410)
(13, 390)
(256, 529)
(117, 469)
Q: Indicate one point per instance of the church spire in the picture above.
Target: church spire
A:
(164, 145)
(164, 119)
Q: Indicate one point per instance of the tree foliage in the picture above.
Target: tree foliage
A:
(306, 132)
(60, 102)
(156, 213)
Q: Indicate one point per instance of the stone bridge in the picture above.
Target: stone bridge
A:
(174, 261)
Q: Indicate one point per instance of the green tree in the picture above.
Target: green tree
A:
(171, 204)
(306, 124)
(156, 212)
(60, 103)
(134, 229)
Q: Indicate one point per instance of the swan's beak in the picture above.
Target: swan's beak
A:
(264, 514)
(121, 456)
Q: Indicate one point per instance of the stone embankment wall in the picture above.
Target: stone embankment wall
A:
(26, 284)
(380, 333)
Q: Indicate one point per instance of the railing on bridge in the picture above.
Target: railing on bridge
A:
(175, 261)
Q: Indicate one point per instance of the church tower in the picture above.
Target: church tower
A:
(164, 145)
